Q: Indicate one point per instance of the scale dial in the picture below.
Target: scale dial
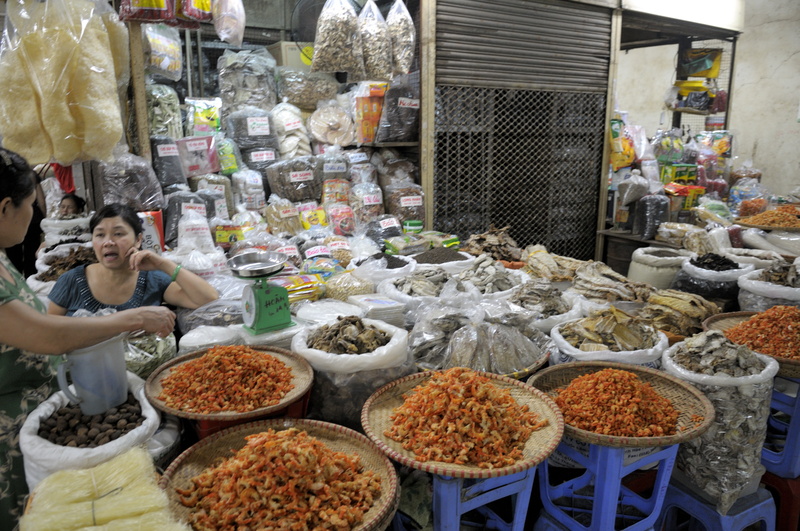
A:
(249, 305)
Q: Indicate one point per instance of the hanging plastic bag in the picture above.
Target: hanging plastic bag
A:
(229, 20)
(404, 35)
(163, 55)
(130, 180)
(154, 11)
(337, 42)
(246, 78)
(376, 43)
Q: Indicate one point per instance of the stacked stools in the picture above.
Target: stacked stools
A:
(598, 499)
(781, 452)
(748, 510)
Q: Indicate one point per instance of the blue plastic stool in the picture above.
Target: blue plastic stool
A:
(597, 500)
(453, 497)
(782, 456)
(746, 511)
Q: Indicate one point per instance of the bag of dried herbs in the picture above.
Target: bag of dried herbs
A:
(400, 115)
(403, 34)
(130, 180)
(146, 352)
(166, 161)
(304, 89)
(177, 203)
(163, 111)
(297, 179)
(337, 42)
(247, 78)
(376, 43)
(251, 128)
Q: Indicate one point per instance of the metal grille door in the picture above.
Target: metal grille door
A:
(525, 158)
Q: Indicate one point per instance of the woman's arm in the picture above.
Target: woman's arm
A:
(187, 290)
(25, 328)
(55, 309)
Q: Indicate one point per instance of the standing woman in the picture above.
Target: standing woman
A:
(27, 334)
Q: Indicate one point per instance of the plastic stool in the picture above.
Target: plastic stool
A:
(746, 511)
(597, 500)
(783, 458)
(787, 498)
(453, 497)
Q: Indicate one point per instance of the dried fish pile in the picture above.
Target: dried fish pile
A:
(723, 460)
(609, 329)
(61, 265)
(349, 335)
(496, 243)
(431, 334)
(424, 283)
(491, 347)
(541, 264)
(489, 276)
(540, 297)
(782, 274)
(678, 312)
(598, 282)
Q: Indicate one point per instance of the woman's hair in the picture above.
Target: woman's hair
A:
(113, 210)
(16, 177)
(79, 201)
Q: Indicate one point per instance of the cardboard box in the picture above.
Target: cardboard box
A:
(288, 53)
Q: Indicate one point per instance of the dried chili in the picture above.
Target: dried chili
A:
(615, 402)
(233, 378)
(775, 332)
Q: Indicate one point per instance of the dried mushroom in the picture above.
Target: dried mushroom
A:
(337, 43)
(403, 34)
(376, 43)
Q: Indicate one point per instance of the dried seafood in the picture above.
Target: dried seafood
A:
(431, 334)
(598, 282)
(61, 265)
(496, 243)
(424, 283)
(678, 312)
(541, 297)
(489, 276)
(724, 459)
(773, 332)
(541, 264)
(460, 416)
(609, 329)
(781, 273)
(350, 335)
(492, 347)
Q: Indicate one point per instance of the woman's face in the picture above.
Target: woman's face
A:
(112, 238)
(15, 221)
(67, 207)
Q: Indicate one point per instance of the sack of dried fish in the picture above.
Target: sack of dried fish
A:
(599, 283)
(547, 305)
(762, 289)
(492, 347)
(717, 286)
(727, 457)
(677, 312)
(144, 353)
(435, 321)
(492, 278)
(344, 382)
(608, 335)
(337, 42)
(656, 266)
(495, 242)
(541, 264)
(760, 258)
(448, 258)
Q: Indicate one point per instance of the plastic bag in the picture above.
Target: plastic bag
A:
(633, 188)
(337, 42)
(163, 111)
(42, 457)
(194, 233)
(163, 55)
(340, 218)
(342, 286)
(251, 127)
(229, 20)
(166, 161)
(204, 337)
(221, 312)
(757, 295)
(146, 352)
(229, 156)
(564, 352)
(334, 167)
(435, 322)
(790, 241)
(177, 203)
(297, 179)
(724, 459)
(651, 211)
(219, 183)
(203, 116)
(366, 200)
(332, 124)
(158, 11)
(746, 189)
(246, 79)
(130, 180)
(376, 43)
(248, 189)
(400, 115)
(711, 285)
(656, 266)
(293, 138)
(198, 155)
(304, 89)
(404, 35)
(757, 239)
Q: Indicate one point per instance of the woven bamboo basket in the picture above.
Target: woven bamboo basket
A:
(789, 368)
(302, 379)
(211, 450)
(377, 410)
(686, 398)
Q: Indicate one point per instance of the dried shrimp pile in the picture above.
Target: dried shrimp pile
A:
(232, 378)
(459, 416)
(775, 332)
(773, 218)
(615, 402)
(282, 480)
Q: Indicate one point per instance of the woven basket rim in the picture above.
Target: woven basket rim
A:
(302, 383)
(789, 368)
(389, 493)
(703, 406)
(396, 453)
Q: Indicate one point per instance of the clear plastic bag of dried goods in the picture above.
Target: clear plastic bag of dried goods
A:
(163, 57)
(435, 323)
(247, 79)
(651, 211)
(757, 294)
(251, 127)
(221, 312)
(163, 111)
(400, 115)
(130, 180)
(404, 35)
(376, 43)
(229, 20)
(337, 42)
(166, 161)
(145, 352)
(305, 89)
(177, 203)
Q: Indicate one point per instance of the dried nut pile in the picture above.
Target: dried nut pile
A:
(459, 416)
(282, 480)
(609, 329)
(495, 242)
(723, 459)
(67, 426)
(775, 332)
(233, 378)
(617, 403)
(424, 283)
(349, 335)
(678, 312)
(489, 276)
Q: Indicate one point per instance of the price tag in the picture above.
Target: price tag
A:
(167, 150)
(257, 126)
(196, 145)
(408, 103)
(186, 207)
(261, 156)
(317, 251)
(372, 199)
(357, 157)
(389, 223)
(289, 250)
(301, 176)
(293, 124)
(334, 167)
(411, 201)
(288, 212)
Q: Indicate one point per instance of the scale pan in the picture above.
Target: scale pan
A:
(257, 263)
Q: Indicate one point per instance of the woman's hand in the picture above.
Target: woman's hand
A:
(158, 320)
(139, 260)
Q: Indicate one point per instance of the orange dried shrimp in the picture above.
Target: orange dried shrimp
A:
(283, 480)
(615, 402)
(775, 332)
(227, 378)
(773, 218)
(459, 416)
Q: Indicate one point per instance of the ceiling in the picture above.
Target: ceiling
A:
(640, 30)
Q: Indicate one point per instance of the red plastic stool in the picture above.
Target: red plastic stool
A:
(787, 497)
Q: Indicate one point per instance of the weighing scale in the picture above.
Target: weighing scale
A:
(265, 306)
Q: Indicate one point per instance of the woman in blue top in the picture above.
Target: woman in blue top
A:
(125, 276)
